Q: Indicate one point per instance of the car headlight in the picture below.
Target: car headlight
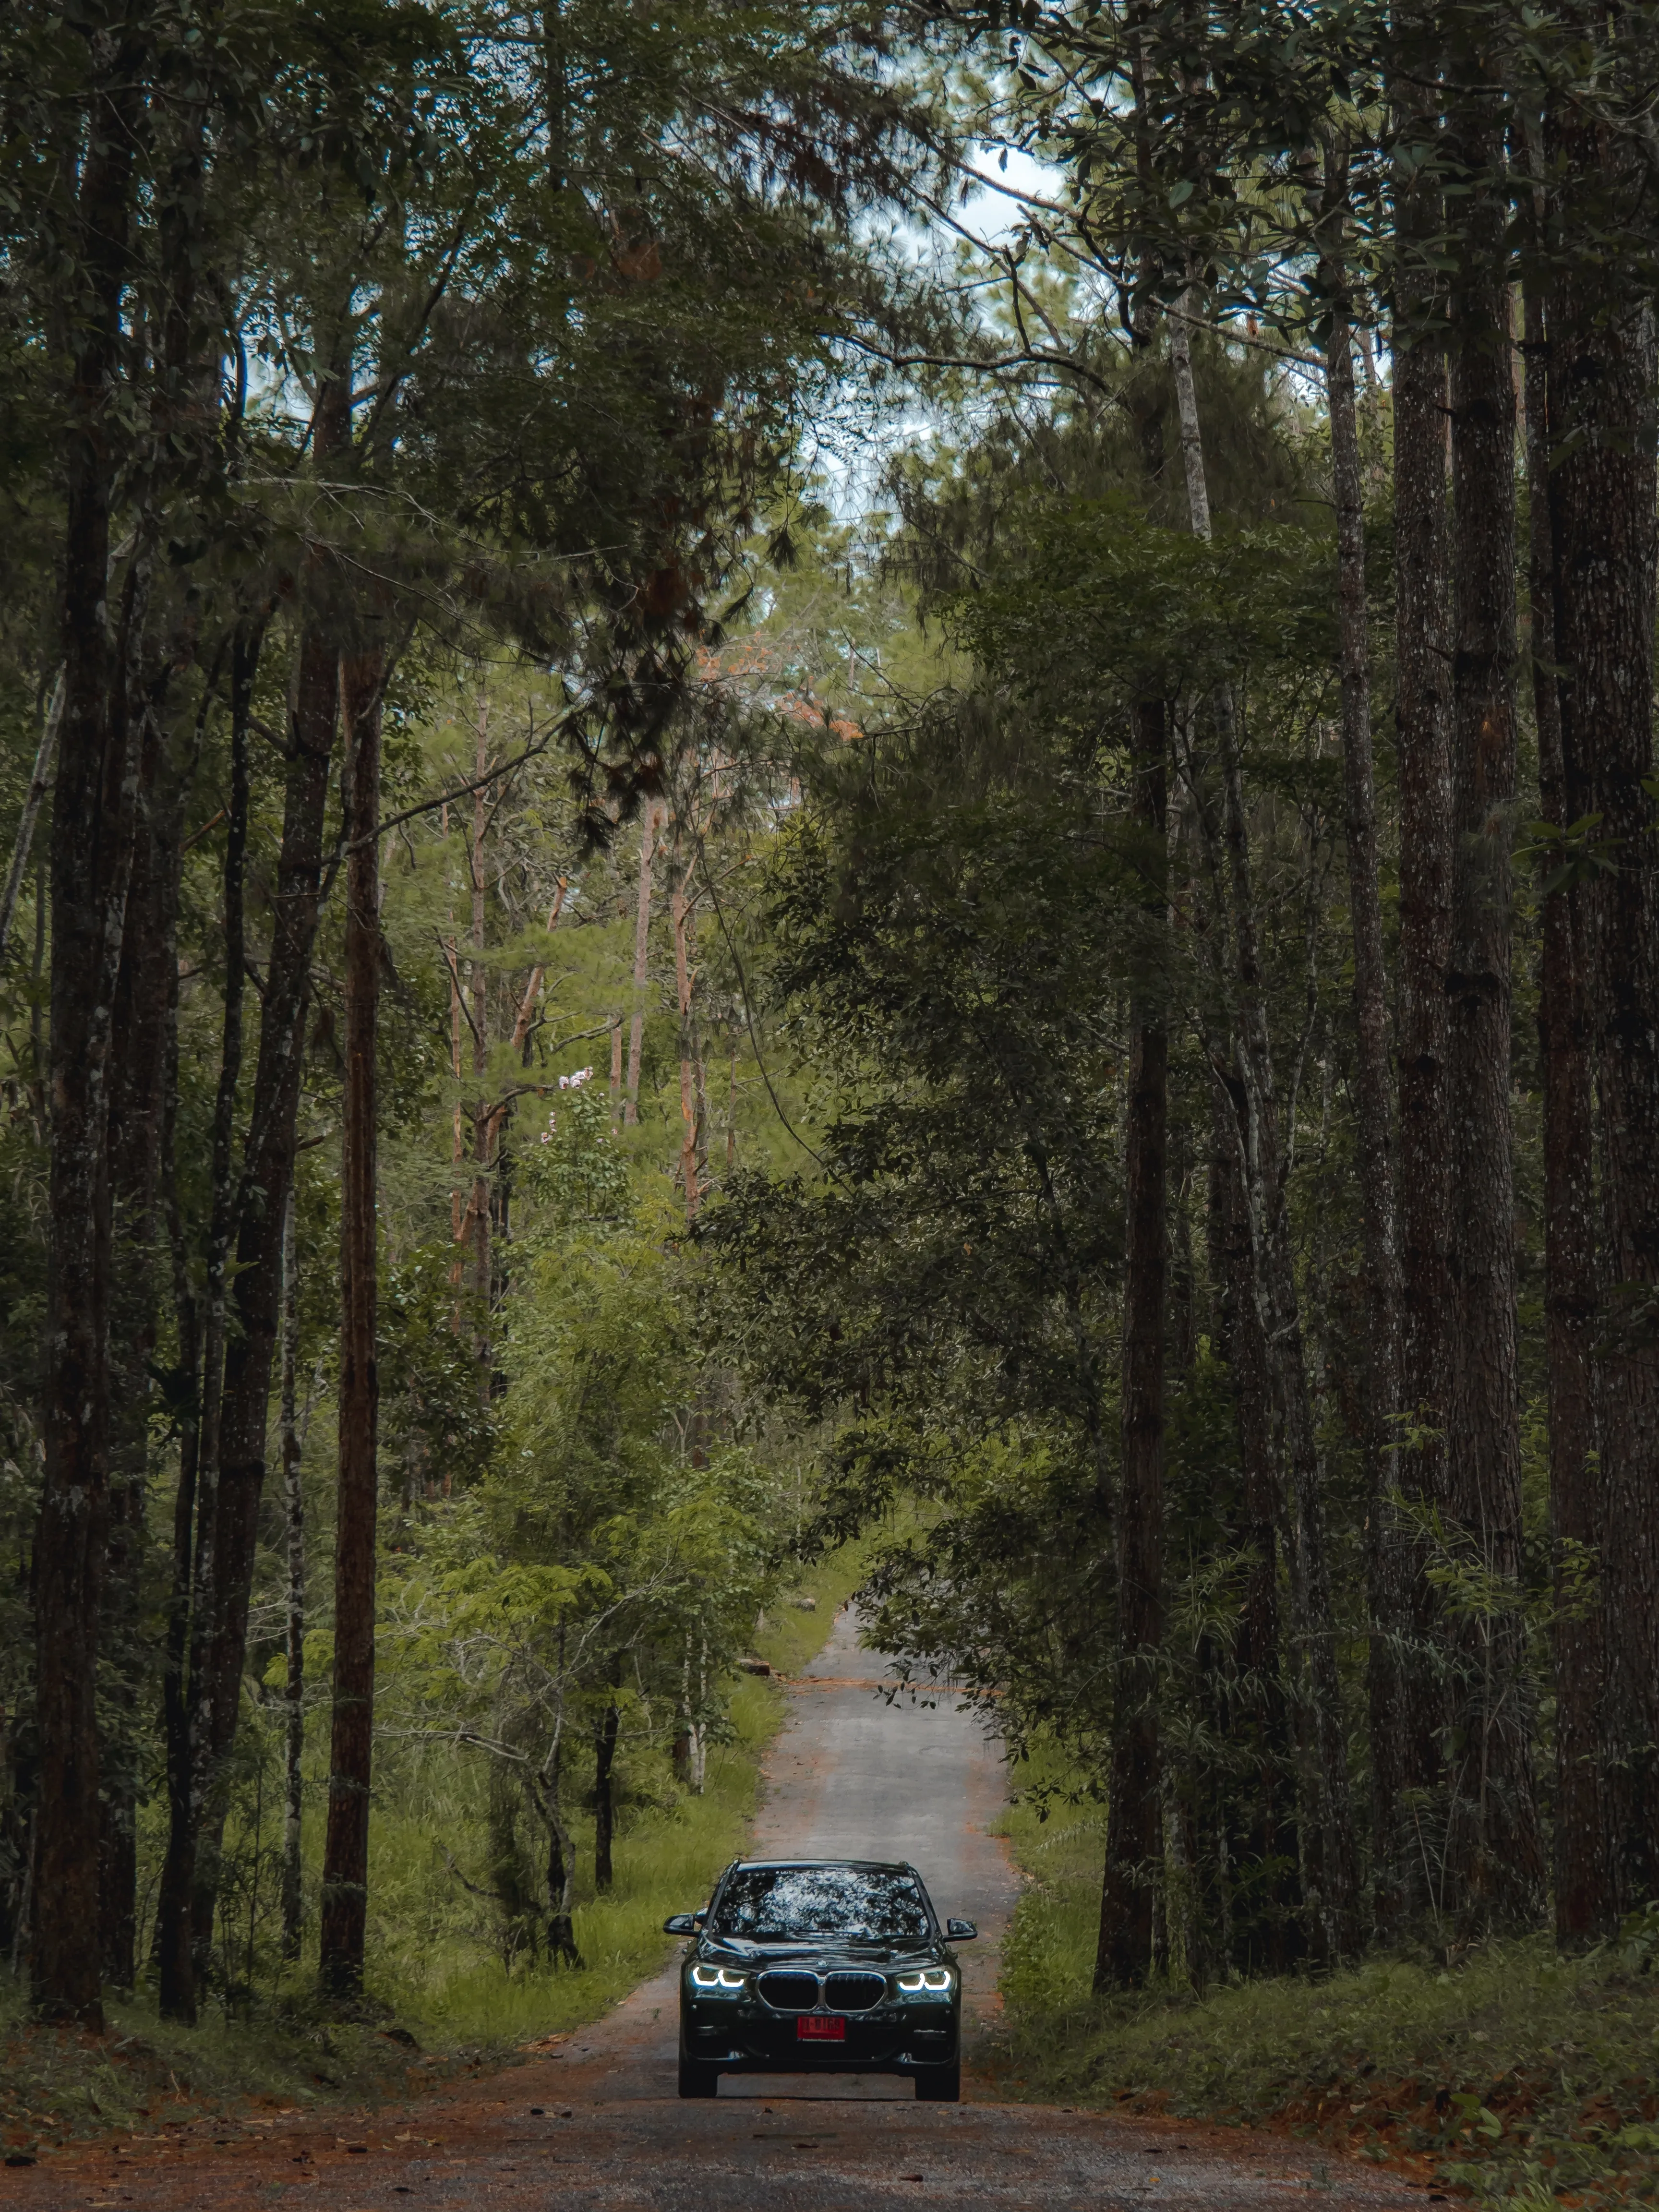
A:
(936, 1978)
(716, 1977)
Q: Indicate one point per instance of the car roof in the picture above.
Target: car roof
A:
(864, 1866)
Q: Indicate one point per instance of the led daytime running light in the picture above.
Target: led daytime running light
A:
(936, 1978)
(715, 1978)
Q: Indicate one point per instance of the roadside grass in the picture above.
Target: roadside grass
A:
(1516, 2075)
(146, 2076)
(443, 2002)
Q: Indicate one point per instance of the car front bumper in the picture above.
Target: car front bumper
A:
(748, 2037)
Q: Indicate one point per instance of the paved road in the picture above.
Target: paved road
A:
(599, 2127)
(856, 1776)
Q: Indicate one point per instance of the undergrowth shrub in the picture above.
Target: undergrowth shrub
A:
(1511, 2070)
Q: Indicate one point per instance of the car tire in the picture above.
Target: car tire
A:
(698, 2080)
(940, 2084)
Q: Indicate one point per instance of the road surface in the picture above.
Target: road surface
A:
(599, 2126)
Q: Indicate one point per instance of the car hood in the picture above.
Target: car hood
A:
(829, 1952)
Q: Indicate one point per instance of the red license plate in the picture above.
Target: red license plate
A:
(820, 2027)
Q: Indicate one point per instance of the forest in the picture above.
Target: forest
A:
(810, 782)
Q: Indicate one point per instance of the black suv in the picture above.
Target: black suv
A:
(820, 1966)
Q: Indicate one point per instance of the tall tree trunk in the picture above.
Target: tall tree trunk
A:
(186, 1919)
(267, 1170)
(1129, 1946)
(174, 1970)
(221, 1227)
(561, 1855)
(92, 853)
(1570, 1261)
(479, 1207)
(1329, 1858)
(184, 421)
(93, 819)
(1372, 1082)
(1183, 1347)
(142, 1064)
(1123, 1955)
(1494, 1857)
(293, 1621)
(691, 1118)
(457, 1216)
(642, 949)
(605, 1809)
(344, 1918)
(1269, 1845)
(1601, 370)
(1325, 1825)
(1407, 1745)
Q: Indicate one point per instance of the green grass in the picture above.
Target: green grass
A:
(59, 2085)
(1519, 2074)
(436, 1975)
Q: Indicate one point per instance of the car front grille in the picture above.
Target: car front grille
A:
(789, 1992)
(853, 1992)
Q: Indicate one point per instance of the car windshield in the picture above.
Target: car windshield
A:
(797, 1903)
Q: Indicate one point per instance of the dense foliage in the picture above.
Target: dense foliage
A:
(754, 837)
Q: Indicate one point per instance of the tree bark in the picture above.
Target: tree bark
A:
(293, 1624)
(1406, 1743)
(1494, 1856)
(457, 1126)
(174, 1971)
(142, 1059)
(1123, 1956)
(185, 455)
(185, 459)
(691, 1117)
(185, 1920)
(1370, 1013)
(344, 1910)
(642, 947)
(1570, 1258)
(1601, 370)
(267, 1169)
(93, 823)
(478, 1213)
(1329, 1857)
(605, 1810)
(1267, 1848)
(561, 1857)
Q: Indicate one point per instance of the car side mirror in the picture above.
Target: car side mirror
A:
(681, 1924)
(960, 1931)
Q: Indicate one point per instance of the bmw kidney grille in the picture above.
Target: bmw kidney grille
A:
(799, 1992)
